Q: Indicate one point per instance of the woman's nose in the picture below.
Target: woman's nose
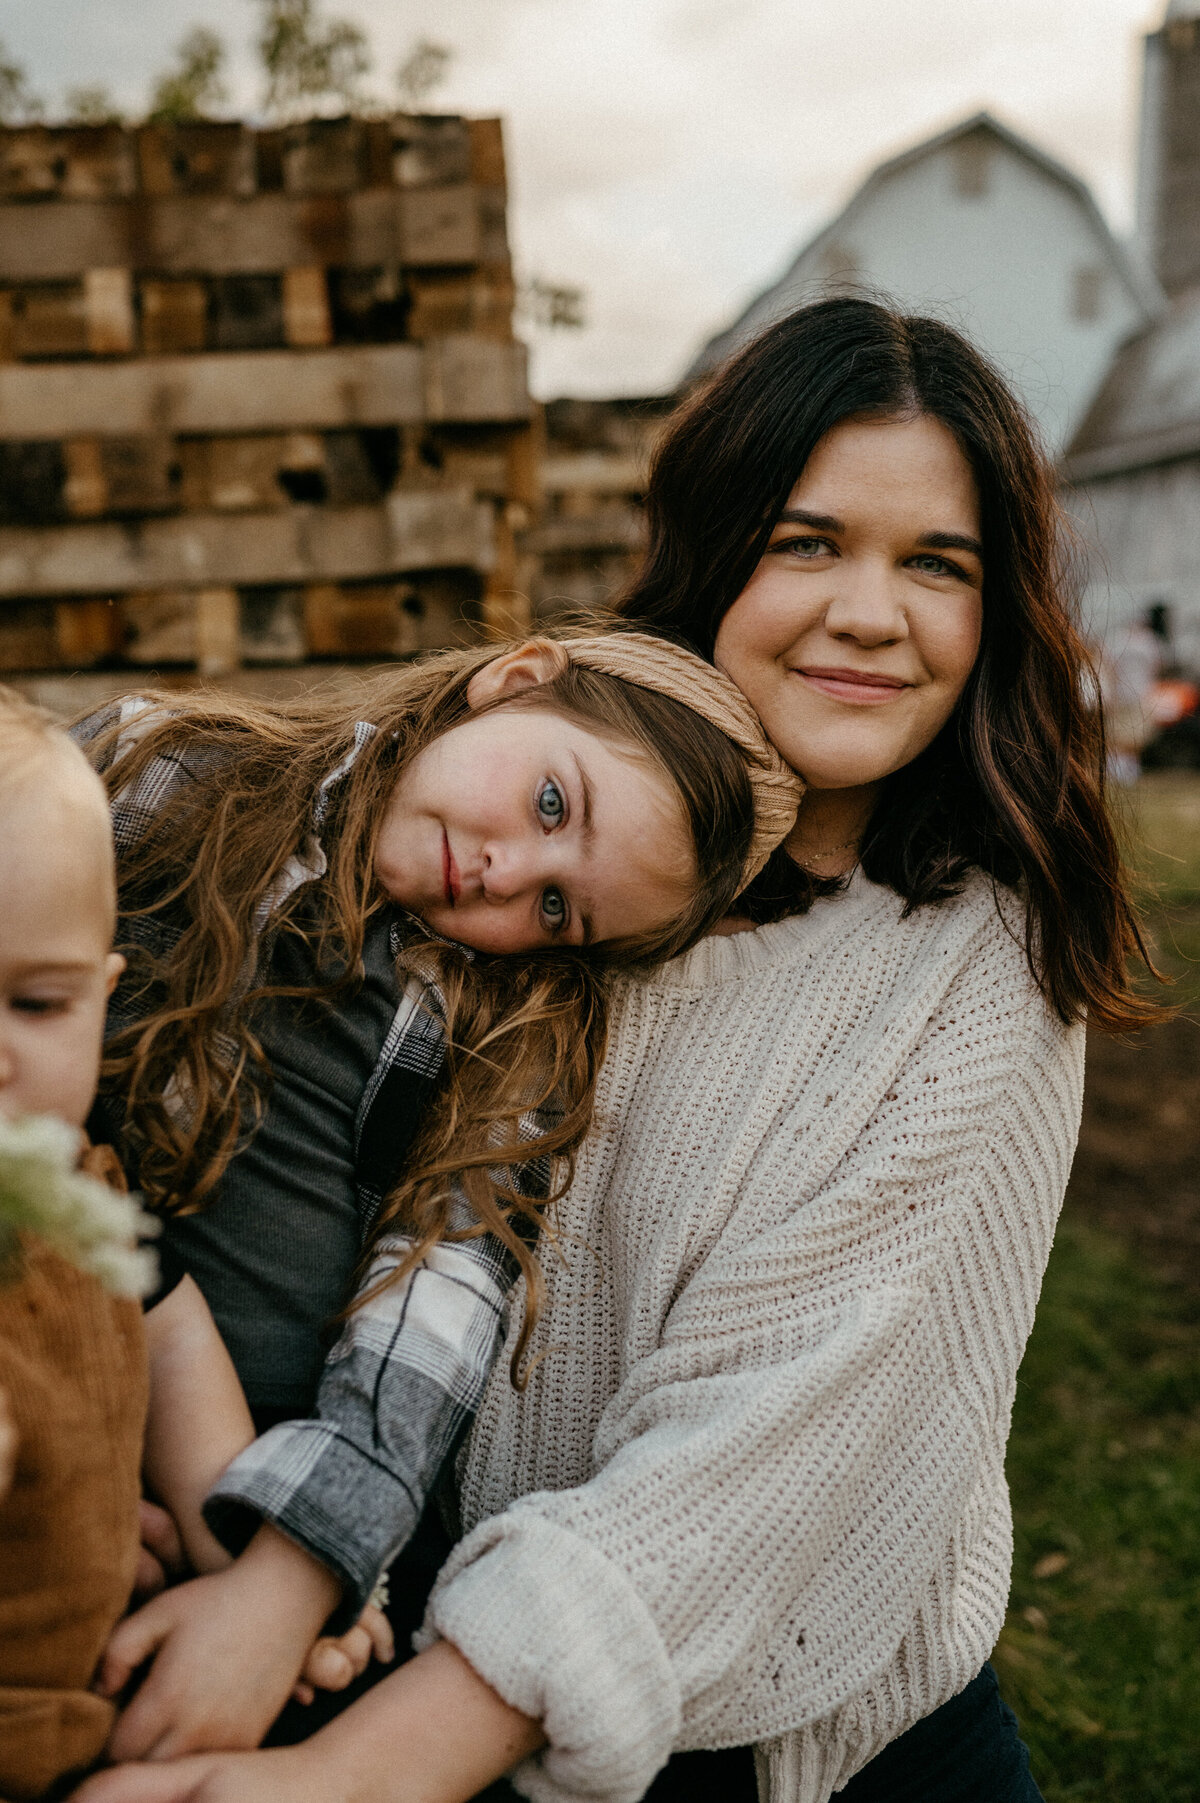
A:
(867, 605)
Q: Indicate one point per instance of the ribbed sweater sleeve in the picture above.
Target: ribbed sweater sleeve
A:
(778, 1483)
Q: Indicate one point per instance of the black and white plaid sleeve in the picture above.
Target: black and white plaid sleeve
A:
(398, 1389)
(406, 1377)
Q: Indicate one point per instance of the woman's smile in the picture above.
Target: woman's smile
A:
(857, 687)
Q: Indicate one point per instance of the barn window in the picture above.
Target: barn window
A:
(1087, 292)
(972, 165)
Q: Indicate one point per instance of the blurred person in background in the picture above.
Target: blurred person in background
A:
(1129, 673)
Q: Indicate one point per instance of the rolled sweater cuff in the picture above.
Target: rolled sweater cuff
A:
(308, 1480)
(561, 1634)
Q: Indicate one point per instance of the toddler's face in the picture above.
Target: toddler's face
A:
(56, 967)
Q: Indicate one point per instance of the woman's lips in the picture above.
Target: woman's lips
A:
(853, 685)
(451, 881)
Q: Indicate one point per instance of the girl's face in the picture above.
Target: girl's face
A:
(520, 829)
(856, 634)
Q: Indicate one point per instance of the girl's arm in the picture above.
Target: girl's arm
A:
(396, 1395)
(228, 1648)
(434, 1732)
(198, 1420)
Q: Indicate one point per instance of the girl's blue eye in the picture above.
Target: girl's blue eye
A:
(552, 805)
(554, 908)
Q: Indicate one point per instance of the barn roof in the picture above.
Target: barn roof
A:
(1137, 280)
(1148, 410)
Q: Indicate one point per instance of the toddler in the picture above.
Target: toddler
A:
(76, 1366)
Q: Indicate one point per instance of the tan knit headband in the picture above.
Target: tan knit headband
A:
(654, 663)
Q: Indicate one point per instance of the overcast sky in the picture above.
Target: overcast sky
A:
(669, 156)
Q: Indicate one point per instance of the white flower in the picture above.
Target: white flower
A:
(93, 1227)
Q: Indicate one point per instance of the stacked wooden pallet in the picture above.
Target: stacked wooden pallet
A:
(260, 401)
(589, 534)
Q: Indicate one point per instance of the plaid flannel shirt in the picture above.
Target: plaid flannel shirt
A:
(406, 1376)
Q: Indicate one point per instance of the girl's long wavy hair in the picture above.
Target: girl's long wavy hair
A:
(1014, 783)
(523, 1034)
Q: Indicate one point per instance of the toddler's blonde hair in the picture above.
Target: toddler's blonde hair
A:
(38, 756)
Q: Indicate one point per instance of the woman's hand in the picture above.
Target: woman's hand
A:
(288, 1775)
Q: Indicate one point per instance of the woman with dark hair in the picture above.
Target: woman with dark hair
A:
(752, 1494)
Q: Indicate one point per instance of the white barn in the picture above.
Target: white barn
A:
(984, 229)
(1133, 468)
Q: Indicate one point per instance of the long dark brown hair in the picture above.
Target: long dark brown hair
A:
(1014, 783)
(523, 1034)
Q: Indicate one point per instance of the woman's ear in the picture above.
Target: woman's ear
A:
(525, 667)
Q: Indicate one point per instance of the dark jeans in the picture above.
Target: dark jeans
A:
(968, 1751)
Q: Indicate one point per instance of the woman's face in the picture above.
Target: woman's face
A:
(520, 829)
(856, 634)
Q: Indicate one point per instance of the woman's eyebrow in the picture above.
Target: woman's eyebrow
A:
(952, 541)
(799, 516)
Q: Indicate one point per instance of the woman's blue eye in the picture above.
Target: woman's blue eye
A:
(806, 548)
(552, 805)
(935, 566)
(554, 907)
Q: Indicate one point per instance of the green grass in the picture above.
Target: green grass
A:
(1161, 820)
(1101, 1654)
(1101, 1658)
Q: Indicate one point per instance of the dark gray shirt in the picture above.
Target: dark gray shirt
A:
(275, 1250)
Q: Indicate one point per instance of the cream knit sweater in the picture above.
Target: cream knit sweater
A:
(755, 1489)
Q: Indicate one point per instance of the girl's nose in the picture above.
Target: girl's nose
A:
(867, 606)
(509, 870)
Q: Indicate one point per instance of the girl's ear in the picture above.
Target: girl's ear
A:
(525, 667)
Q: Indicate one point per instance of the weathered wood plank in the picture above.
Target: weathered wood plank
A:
(198, 156)
(253, 391)
(220, 234)
(459, 379)
(469, 378)
(108, 309)
(82, 162)
(174, 317)
(614, 527)
(424, 530)
(306, 318)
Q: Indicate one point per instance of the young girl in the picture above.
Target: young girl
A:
(753, 1494)
(283, 1026)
